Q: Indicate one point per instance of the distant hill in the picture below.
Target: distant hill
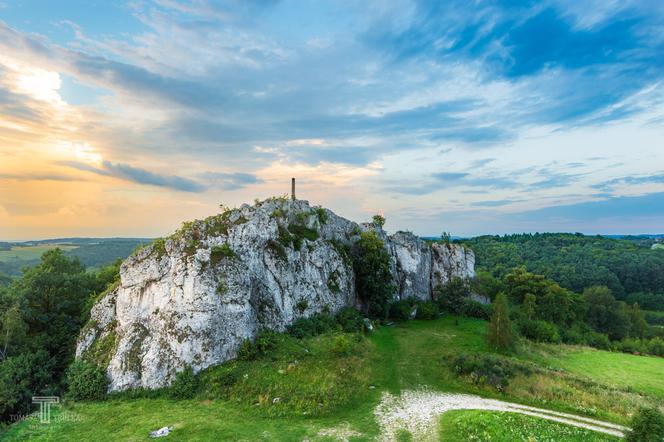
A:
(92, 252)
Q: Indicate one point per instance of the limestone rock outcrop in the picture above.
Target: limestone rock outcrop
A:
(191, 299)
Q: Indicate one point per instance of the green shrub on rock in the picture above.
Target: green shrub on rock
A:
(86, 381)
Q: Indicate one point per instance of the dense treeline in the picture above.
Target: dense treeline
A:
(41, 314)
(541, 310)
(632, 271)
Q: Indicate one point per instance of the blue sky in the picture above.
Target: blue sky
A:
(127, 118)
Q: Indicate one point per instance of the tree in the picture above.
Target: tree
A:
(53, 297)
(520, 282)
(556, 305)
(21, 377)
(647, 426)
(529, 306)
(446, 237)
(452, 295)
(371, 264)
(605, 314)
(378, 220)
(638, 326)
(499, 334)
(13, 329)
(487, 285)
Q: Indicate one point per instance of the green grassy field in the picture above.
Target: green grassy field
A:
(28, 253)
(473, 425)
(642, 374)
(306, 389)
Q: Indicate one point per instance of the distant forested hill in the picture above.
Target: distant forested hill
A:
(92, 252)
(576, 261)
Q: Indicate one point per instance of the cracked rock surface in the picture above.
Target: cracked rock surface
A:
(192, 298)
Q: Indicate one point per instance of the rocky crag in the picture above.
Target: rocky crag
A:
(192, 298)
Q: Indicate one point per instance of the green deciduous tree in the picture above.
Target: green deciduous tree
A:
(605, 314)
(371, 264)
(499, 335)
(452, 295)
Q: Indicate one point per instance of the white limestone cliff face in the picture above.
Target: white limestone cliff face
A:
(193, 298)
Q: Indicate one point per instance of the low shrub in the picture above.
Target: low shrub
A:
(302, 305)
(597, 340)
(489, 369)
(219, 253)
(350, 320)
(540, 331)
(313, 325)
(342, 345)
(185, 385)
(474, 309)
(427, 310)
(402, 310)
(647, 426)
(262, 345)
(631, 345)
(656, 346)
(86, 381)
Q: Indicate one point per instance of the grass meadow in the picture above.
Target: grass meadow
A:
(314, 389)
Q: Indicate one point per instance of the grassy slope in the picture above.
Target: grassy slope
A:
(473, 425)
(643, 374)
(395, 358)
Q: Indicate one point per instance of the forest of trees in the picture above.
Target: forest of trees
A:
(41, 314)
(631, 269)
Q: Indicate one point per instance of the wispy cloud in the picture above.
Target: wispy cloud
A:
(220, 180)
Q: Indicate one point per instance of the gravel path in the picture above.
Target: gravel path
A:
(418, 410)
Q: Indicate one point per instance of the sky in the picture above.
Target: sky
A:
(128, 118)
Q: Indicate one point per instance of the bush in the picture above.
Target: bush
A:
(631, 345)
(597, 340)
(350, 320)
(647, 426)
(21, 377)
(185, 385)
(219, 253)
(342, 345)
(315, 324)
(540, 331)
(452, 295)
(489, 369)
(86, 381)
(264, 343)
(475, 309)
(402, 310)
(427, 310)
(656, 346)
